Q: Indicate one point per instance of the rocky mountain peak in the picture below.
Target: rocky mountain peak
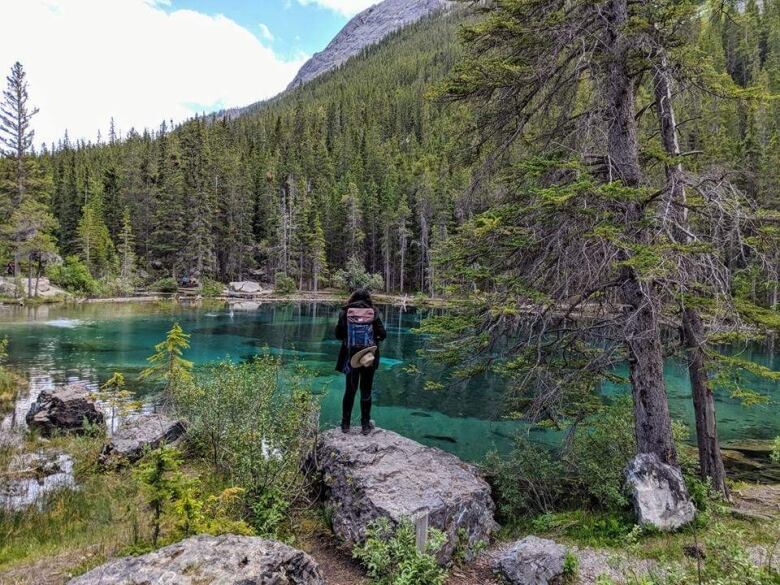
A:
(367, 28)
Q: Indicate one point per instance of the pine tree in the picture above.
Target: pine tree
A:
(95, 241)
(17, 135)
(126, 249)
(167, 364)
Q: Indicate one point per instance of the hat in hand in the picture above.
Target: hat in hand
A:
(364, 358)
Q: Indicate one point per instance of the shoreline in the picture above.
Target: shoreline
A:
(298, 297)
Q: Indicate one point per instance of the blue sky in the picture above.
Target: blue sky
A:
(295, 28)
(145, 61)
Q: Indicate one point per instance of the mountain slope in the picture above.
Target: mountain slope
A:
(366, 29)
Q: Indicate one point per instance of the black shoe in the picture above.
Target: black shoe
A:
(367, 428)
(344, 427)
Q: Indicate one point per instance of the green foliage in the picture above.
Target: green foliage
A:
(163, 483)
(164, 285)
(354, 276)
(776, 450)
(601, 447)
(167, 364)
(285, 285)
(211, 288)
(74, 276)
(119, 399)
(9, 382)
(571, 564)
(590, 528)
(390, 555)
(529, 481)
(252, 422)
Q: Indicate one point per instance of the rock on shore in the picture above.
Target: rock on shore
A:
(138, 433)
(64, 409)
(387, 475)
(532, 561)
(658, 493)
(223, 560)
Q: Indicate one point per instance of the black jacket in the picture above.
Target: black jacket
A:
(341, 333)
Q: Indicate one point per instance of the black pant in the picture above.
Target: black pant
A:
(363, 377)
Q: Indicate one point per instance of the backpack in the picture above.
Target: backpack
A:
(360, 328)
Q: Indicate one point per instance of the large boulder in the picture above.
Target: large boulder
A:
(532, 561)
(246, 287)
(222, 560)
(138, 433)
(65, 410)
(387, 475)
(658, 493)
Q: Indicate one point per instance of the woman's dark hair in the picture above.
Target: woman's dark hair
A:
(360, 294)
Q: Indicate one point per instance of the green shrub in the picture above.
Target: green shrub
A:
(390, 556)
(354, 276)
(571, 564)
(529, 481)
(211, 288)
(252, 423)
(164, 285)
(601, 447)
(285, 284)
(74, 276)
(775, 455)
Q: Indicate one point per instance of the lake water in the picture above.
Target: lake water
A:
(88, 342)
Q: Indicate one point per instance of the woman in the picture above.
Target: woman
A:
(360, 330)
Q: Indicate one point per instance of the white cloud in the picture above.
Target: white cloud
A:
(88, 60)
(265, 32)
(345, 7)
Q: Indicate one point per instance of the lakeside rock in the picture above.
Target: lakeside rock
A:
(31, 476)
(138, 433)
(387, 475)
(532, 561)
(64, 409)
(658, 493)
(246, 288)
(226, 560)
(45, 287)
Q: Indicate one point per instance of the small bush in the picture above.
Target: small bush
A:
(571, 564)
(528, 482)
(776, 451)
(601, 447)
(165, 285)
(390, 556)
(211, 288)
(355, 276)
(251, 422)
(74, 276)
(285, 284)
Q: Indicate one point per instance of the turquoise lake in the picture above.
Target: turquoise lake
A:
(88, 342)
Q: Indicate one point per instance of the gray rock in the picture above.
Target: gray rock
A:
(387, 475)
(138, 433)
(64, 409)
(246, 287)
(367, 28)
(532, 561)
(31, 476)
(217, 560)
(658, 493)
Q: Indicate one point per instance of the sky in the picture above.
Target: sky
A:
(145, 61)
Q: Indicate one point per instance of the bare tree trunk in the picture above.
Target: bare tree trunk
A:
(653, 425)
(710, 460)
